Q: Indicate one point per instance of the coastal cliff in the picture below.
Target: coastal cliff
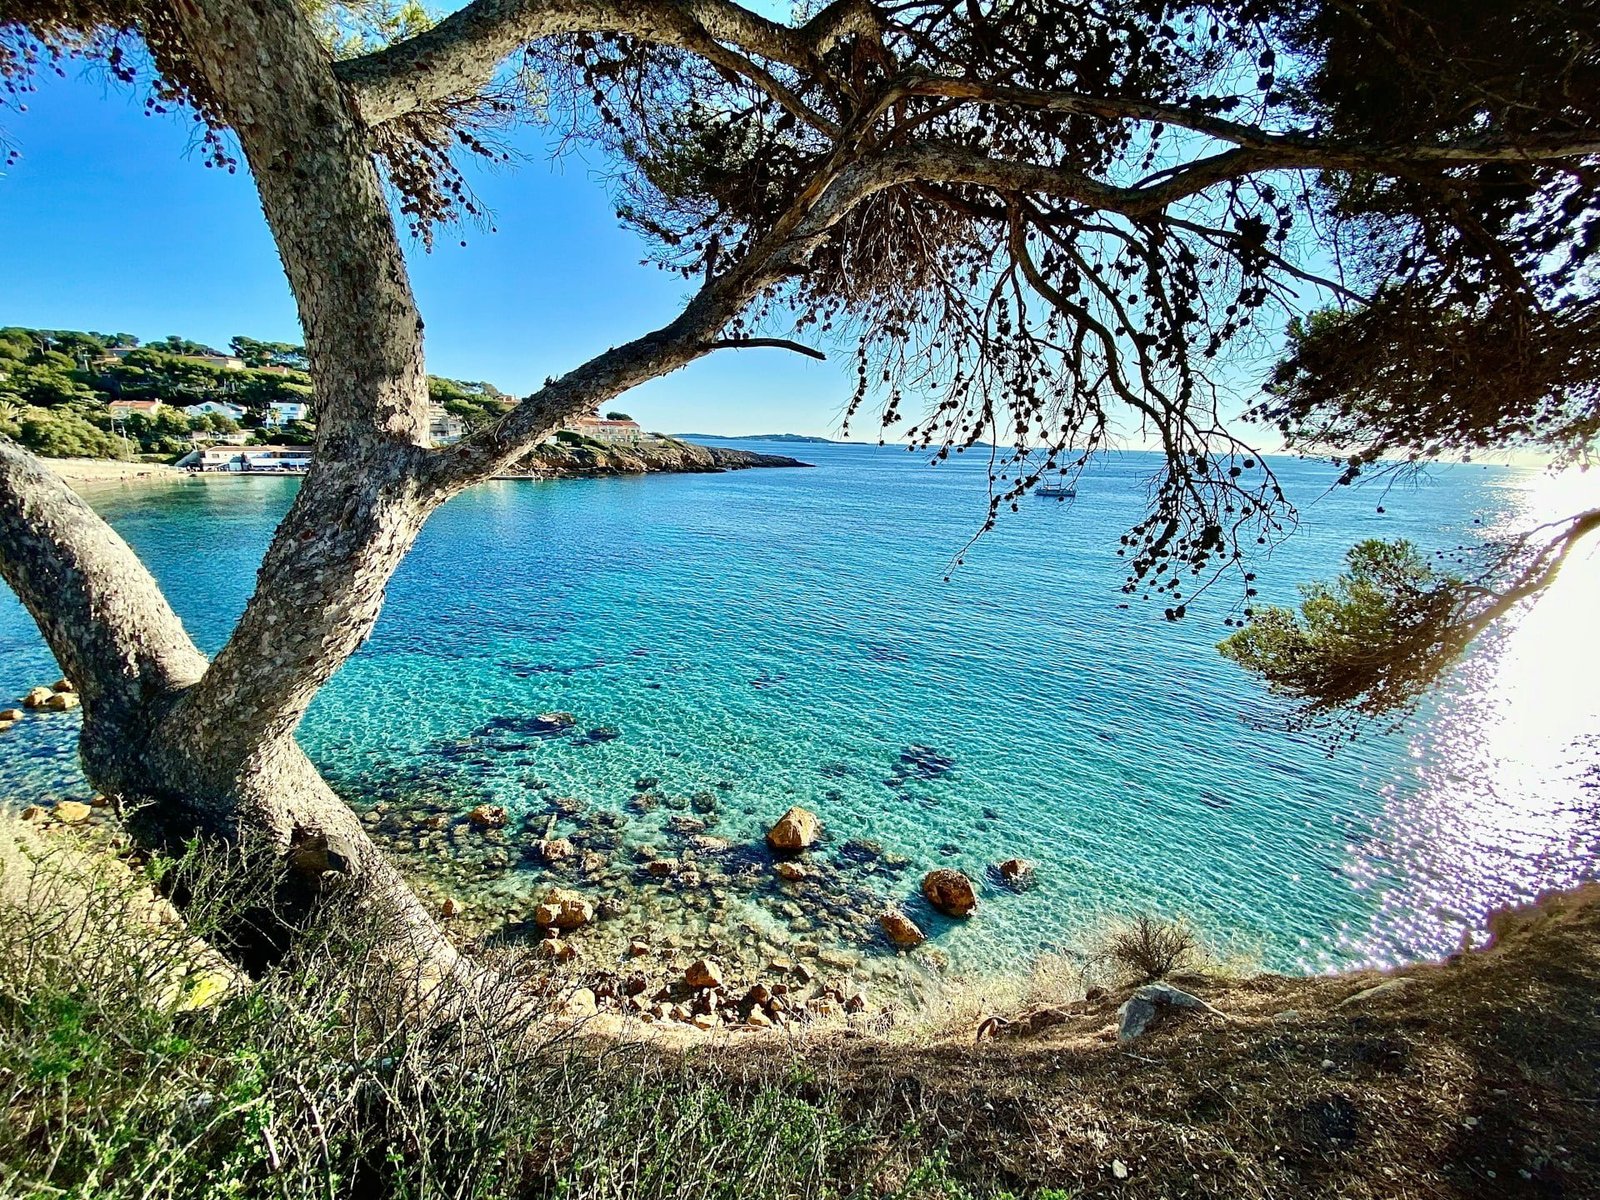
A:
(569, 459)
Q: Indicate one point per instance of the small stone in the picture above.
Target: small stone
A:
(704, 1020)
(34, 813)
(582, 1003)
(950, 891)
(60, 701)
(637, 949)
(900, 929)
(1119, 1168)
(36, 697)
(1389, 988)
(855, 1002)
(703, 973)
(72, 812)
(1016, 873)
(758, 1019)
(488, 816)
(62, 685)
(797, 829)
(555, 950)
(10, 714)
(451, 908)
(793, 872)
(759, 994)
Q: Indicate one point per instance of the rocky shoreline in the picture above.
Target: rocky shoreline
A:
(566, 460)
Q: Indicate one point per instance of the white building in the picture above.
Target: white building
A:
(444, 427)
(248, 459)
(281, 412)
(215, 408)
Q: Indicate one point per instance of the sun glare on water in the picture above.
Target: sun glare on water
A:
(1506, 797)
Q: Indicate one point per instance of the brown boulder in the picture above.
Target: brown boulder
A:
(71, 812)
(703, 973)
(555, 850)
(488, 816)
(1015, 873)
(36, 697)
(563, 909)
(60, 701)
(797, 829)
(10, 714)
(950, 892)
(901, 929)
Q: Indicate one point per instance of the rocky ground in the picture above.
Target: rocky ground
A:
(557, 460)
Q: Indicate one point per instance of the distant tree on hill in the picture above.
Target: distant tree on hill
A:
(618, 416)
(1043, 222)
(256, 353)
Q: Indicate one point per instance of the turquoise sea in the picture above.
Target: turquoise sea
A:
(787, 636)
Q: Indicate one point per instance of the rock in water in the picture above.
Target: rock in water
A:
(71, 812)
(797, 829)
(60, 701)
(1016, 873)
(950, 892)
(563, 909)
(488, 816)
(36, 697)
(901, 929)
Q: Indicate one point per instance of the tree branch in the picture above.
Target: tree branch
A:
(771, 343)
(100, 611)
(461, 53)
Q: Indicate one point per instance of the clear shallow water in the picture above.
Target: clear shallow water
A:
(781, 637)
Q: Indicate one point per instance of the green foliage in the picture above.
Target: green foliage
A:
(478, 404)
(308, 1082)
(618, 416)
(1370, 643)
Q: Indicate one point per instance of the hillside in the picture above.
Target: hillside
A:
(578, 457)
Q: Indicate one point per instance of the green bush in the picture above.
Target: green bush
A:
(321, 1078)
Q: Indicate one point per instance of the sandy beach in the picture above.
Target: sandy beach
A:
(103, 470)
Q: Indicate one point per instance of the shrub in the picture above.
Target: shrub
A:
(1144, 948)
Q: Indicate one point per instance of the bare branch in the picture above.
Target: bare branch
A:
(772, 343)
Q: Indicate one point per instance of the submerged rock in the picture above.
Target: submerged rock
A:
(1016, 873)
(950, 891)
(901, 929)
(563, 909)
(797, 829)
(488, 816)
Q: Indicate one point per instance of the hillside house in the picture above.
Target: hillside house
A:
(126, 408)
(281, 412)
(215, 408)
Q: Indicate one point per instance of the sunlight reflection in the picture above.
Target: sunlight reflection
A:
(1503, 802)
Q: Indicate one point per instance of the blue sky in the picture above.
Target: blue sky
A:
(109, 221)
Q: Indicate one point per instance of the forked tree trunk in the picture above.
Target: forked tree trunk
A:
(209, 749)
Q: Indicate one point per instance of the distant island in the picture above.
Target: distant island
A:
(762, 437)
